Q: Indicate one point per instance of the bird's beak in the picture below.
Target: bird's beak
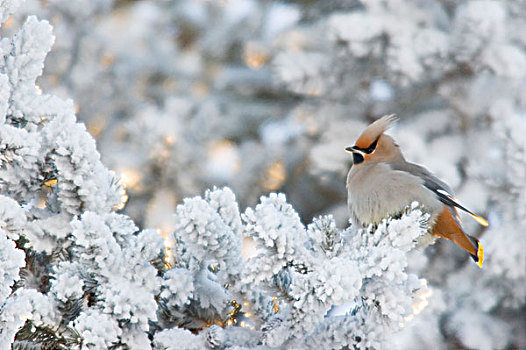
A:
(353, 149)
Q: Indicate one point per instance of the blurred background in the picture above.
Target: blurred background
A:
(264, 96)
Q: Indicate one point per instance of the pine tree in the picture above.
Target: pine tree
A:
(260, 96)
(80, 275)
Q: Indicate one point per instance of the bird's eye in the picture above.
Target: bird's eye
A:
(372, 147)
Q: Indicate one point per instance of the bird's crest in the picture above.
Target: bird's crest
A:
(373, 131)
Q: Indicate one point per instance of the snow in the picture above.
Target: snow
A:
(381, 90)
(193, 94)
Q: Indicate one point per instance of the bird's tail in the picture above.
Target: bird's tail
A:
(479, 257)
(447, 227)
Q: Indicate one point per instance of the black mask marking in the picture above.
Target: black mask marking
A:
(357, 158)
(371, 148)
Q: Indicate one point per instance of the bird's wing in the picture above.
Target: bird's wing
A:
(440, 188)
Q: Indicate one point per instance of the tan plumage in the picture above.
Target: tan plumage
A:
(374, 130)
(381, 183)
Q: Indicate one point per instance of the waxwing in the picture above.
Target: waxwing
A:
(382, 184)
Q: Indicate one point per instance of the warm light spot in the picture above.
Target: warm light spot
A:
(160, 209)
(56, 19)
(419, 306)
(304, 116)
(224, 160)
(169, 259)
(41, 202)
(107, 59)
(236, 317)
(8, 22)
(255, 55)
(169, 139)
(94, 129)
(53, 79)
(215, 267)
(293, 40)
(213, 70)
(124, 198)
(248, 249)
(170, 83)
(275, 306)
(51, 182)
(275, 175)
(164, 154)
(123, 194)
(422, 301)
(96, 125)
(200, 88)
(233, 314)
(120, 133)
(314, 90)
(159, 214)
(130, 178)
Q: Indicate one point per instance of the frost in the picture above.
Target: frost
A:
(97, 330)
(172, 339)
(67, 284)
(257, 96)
(358, 30)
(7, 7)
(179, 287)
(380, 90)
(26, 304)
(301, 72)
(476, 336)
(275, 227)
(485, 18)
(30, 47)
(12, 218)
(43, 233)
(13, 261)
(125, 282)
(316, 273)
(209, 229)
(76, 160)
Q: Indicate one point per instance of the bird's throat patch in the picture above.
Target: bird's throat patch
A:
(357, 158)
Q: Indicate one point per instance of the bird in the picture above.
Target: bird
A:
(382, 183)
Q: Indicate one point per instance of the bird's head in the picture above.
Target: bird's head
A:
(373, 145)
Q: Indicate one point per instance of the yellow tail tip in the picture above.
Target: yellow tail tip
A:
(480, 255)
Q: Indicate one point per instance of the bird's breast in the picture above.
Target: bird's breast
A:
(377, 192)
